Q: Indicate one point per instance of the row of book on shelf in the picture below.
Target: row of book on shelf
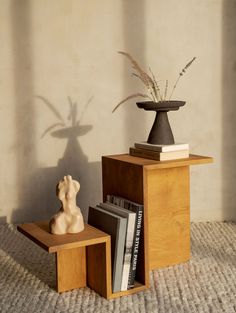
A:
(122, 220)
(160, 152)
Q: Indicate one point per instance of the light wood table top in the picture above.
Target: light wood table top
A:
(39, 233)
(153, 164)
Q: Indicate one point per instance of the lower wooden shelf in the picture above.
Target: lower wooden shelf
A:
(137, 288)
(83, 259)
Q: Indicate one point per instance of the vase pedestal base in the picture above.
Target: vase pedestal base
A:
(161, 133)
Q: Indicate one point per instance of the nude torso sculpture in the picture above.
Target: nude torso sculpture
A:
(69, 218)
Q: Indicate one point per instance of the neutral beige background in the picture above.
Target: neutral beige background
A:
(55, 49)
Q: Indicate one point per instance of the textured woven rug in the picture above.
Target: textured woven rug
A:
(205, 284)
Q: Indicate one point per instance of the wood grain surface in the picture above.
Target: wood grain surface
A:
(39, 233)
(168, 199)
(163, 187)
(126, 180)
(153, 164)
(71, 269)
(99, 269)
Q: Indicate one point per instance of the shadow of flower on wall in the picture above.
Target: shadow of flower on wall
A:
(44, 202)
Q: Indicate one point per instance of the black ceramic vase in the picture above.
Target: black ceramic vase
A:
(161, 133)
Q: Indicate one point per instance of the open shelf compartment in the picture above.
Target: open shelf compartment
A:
(116, 182)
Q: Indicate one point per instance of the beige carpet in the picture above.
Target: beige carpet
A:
(206, 284)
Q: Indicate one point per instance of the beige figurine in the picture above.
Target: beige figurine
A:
(69, 218)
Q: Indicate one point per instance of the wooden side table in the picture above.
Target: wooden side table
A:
(83, 259)
(70, 250)
(164, 189)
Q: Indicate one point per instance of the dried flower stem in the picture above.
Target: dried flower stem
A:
(142, 75)
(150, 82)
(180, 75)
(156, 87)
(146, 79)
(130, 97)
(166, 88)
(150, 90)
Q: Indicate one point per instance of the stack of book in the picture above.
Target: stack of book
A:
(160, 152)
(122, 220)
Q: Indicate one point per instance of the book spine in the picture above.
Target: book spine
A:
(175, 155)
(118, 257)
(126, 268)
(138, 209)
(159, 156)
(175, 148)
(135, 249)
(147, 147)
(116, 227)
(131, 220)
(147, 154)
(162, 148)
(128, 251)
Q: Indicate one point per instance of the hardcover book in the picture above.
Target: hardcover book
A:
(161, 148)
(131, 218)
(115, 226)
(138, 209)
(159, 156)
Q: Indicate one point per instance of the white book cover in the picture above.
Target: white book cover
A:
(131, 218)
(174, 155)
(162, 148)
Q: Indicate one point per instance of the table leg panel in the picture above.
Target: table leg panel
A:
(71, 269)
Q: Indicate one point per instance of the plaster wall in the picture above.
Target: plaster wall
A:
(62, 53)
